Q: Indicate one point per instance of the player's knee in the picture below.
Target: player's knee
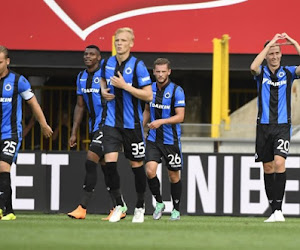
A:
(268, 167)
(151, 173)
(279, 166)
(174, 176)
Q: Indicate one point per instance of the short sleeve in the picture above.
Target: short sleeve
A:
(78, 91)
(179, 98)
(24, 88)
(256, 77)
(293, 69)
(142, 74)
(23, 84)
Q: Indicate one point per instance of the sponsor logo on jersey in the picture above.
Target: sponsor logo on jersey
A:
(108, 67)
(108, 81)
(91, 90)
(145, 79)
(275, 84)
(159, 106)
(5, 99)
(181, 102)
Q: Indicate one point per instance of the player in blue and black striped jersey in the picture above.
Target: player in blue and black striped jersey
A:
(89, 97)
(125, 82)
(165, 113)
(274, 84)
(13, 88)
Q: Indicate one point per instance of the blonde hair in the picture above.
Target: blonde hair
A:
(4, 50)
(125, 29)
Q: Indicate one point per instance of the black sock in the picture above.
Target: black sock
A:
(85, 198)
(108, 184)
(5, 188)
(114, 182)
(90, 176)
(154, 186)
(269, 180)
(280, 181)
(140, 185)
(176, 189)
(8, 205)
(90, 182)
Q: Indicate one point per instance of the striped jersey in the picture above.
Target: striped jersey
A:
(13, 87)
(88, 86)
(125, 110)
(274, 94)
(163, 106)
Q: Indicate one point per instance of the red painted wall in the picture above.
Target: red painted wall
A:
(159, 25)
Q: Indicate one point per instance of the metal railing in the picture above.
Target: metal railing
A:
(58, 105)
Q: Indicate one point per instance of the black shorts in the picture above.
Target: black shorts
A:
(131, 139)
(271, 140)
(96, 144)
(9, 150)
(171, 154)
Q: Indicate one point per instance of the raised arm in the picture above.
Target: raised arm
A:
(296, 45)
(255, 70)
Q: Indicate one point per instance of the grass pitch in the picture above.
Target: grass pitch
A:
(57, 231)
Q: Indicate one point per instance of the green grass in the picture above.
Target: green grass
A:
(44, 231)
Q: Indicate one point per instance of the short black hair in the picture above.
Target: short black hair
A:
(92, 46)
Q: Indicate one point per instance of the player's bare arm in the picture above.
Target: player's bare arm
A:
(297, 47)
(177, 118)
(105, 91)
(78, 114)
(145, 93)
(261, 56)
(39, 115)
(146, 114)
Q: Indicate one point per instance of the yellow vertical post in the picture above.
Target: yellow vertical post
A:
(113, 48)
(225, 81)
(60, 121)
(216, 89)
(69, 118)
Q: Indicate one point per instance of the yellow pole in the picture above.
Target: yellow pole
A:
(59, 121)
(113, 48)
(225, 81)
(216, 89)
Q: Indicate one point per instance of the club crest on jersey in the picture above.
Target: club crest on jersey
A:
(167, 95)
(128, 71)
(8, 87)
(281, 74)
(97, 80)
